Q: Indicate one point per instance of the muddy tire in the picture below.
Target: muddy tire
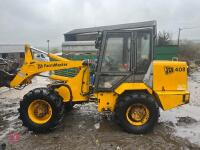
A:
(48, 100)
(69, 106)
(136, 112)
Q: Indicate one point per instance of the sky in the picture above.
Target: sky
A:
(36, 21)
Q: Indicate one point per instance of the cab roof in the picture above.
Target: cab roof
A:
(114, 27)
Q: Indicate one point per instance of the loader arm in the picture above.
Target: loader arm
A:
(33, 67)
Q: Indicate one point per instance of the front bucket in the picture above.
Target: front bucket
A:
(5, 78)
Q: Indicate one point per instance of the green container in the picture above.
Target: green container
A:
(165, 52)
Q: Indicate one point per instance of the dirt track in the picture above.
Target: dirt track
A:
(84, 128)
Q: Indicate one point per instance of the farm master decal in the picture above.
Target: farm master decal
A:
(51, 65)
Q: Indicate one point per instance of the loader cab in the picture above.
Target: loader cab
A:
(124, 56)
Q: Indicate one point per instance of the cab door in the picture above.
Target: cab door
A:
(144, 50)
(115, 57)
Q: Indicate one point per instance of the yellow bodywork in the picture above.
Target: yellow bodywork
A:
(168, 85)
(132, 86)
(33, 67)
(107, 100)
(64, 92)
(78, 85)
(171, 99)
(169, 76)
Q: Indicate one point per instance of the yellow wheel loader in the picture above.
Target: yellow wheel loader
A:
(127, 82)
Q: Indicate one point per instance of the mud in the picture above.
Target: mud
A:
(84, 128)
(183, 121)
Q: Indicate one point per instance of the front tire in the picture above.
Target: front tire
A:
(137, 112)
(41, 110)
(69, 106)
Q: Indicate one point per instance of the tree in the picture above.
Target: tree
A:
(189, 50)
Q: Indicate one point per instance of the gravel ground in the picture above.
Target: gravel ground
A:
(84, 128)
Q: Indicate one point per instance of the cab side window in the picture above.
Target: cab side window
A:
(143, 51)
(117, 53)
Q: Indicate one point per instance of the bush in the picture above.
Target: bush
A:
(189, 51)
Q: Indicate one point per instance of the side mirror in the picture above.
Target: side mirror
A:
(98, 40)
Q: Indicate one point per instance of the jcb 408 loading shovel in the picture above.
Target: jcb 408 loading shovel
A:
(127, 82)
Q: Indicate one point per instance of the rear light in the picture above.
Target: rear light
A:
(186, 98)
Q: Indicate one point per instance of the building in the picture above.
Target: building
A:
(12, 52)
(78, 47)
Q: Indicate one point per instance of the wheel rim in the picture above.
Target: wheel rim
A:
(137, 114)
(39, 111)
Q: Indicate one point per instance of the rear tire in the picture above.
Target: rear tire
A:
(54, 103)
(148, 117)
